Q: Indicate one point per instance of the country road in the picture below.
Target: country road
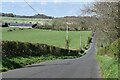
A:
(83, 67)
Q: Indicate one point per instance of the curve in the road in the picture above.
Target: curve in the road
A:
(84, 67)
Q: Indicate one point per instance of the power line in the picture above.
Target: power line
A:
(31, 7)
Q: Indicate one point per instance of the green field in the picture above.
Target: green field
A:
(25, 20)
(56, 38)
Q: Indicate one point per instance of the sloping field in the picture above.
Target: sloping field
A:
(25, 20)
(56, 38)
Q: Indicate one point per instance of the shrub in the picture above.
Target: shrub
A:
(89, 40)
(110, 50)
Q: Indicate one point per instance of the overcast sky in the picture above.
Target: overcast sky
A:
(56, 8)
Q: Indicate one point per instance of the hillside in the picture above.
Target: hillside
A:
(75, 24)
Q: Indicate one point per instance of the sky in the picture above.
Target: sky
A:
(55, 8)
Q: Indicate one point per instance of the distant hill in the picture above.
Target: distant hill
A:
(19, 16)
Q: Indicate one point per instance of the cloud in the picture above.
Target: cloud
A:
(12, 1)
(45, 1)
(57, 1)
(17, 0)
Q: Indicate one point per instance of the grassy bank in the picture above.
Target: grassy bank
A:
(108, 66)
(13, 62)
(108, 60)
(19, 54)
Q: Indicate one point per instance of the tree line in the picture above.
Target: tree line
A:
(19, 16)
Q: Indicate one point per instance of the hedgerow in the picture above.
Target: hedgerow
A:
(17, 48)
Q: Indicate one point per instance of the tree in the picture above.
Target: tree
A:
(107, 23)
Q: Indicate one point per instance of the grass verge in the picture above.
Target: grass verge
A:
(108, 66)
(13, 62)
(108, 57)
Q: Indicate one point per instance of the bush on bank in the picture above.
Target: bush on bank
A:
(17, 48)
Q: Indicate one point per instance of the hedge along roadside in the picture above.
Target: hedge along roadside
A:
(16, 48)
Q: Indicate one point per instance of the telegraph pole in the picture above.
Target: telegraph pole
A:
(67, 33)
(67, 43)
(80, 41)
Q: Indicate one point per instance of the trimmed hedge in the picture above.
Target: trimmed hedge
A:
(16, 48)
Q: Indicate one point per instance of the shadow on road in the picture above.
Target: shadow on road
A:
(49, 64)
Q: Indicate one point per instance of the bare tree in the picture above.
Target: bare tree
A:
(107, 20)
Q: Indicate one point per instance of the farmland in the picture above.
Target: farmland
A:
(76, 24)
(56, 38)
(50, 36)
(22, 46)
(25, 20)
